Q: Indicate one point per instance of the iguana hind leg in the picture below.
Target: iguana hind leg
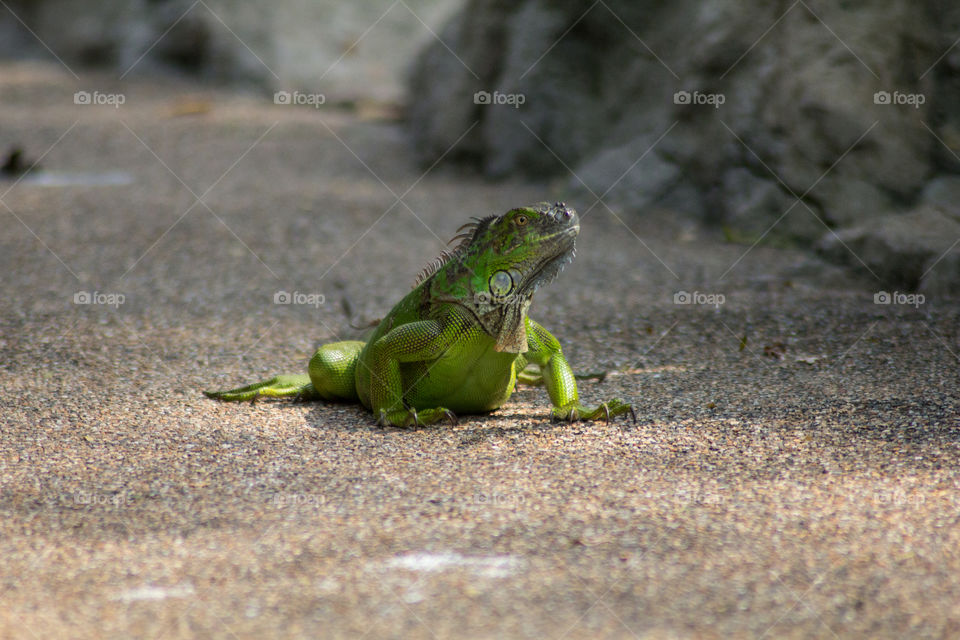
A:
(333, 370)
(331, 377)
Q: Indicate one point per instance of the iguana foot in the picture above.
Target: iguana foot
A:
(412, 417)
(298, 387)
(606, 410)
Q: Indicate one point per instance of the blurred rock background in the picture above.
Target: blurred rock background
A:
(351, 50)
(779, 121)
(835, 126)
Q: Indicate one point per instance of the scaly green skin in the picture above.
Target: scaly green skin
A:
(460, 341)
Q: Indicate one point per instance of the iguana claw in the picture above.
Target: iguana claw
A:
(606, 410)
(410, 417)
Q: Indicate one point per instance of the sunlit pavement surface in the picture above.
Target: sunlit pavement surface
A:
(793, 471)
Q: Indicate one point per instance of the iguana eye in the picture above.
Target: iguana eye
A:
(501, 284)
(521, 220)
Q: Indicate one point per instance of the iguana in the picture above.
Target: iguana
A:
(461, 340)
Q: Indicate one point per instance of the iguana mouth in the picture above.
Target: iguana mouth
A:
(548, 269)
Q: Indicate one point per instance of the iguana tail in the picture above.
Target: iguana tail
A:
(298, 386)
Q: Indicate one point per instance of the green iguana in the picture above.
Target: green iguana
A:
(461, 340)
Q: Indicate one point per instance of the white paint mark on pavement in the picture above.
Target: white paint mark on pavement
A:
(155, 593)
(488, 567)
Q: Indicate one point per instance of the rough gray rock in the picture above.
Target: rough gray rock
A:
(748, 197)
(944, 192)
(943, 275)
(915, 250)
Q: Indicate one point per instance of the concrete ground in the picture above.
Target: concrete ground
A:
(794, 470)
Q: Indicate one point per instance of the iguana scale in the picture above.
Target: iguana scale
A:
(461, 340)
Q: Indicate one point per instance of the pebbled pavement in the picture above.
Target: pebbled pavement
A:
(794, 471)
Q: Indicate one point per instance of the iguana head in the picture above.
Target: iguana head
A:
(500, 263)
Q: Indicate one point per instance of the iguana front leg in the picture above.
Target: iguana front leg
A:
(560, 381)
(413, 342)
(531, 376)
